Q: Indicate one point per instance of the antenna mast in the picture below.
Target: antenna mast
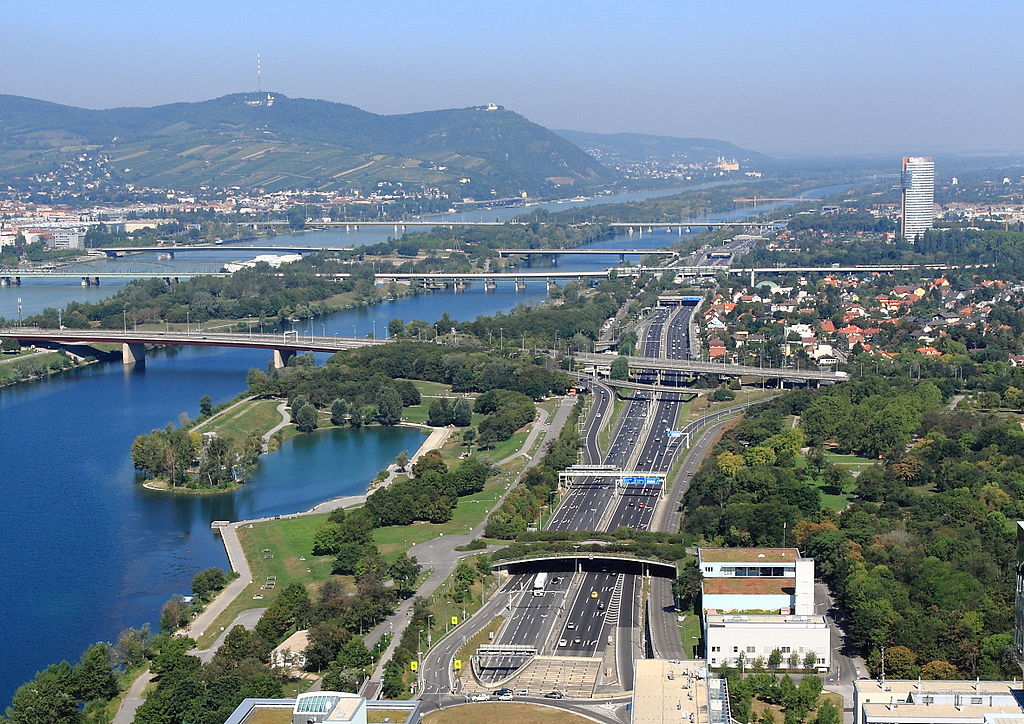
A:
(259, 75)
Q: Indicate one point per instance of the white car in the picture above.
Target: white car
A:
(504, 697)
(563, 642)
(480, 697)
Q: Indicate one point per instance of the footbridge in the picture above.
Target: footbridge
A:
(133, 342)
(715, 368)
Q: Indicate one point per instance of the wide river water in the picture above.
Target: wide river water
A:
(90, 549)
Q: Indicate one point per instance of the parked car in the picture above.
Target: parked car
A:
(563, 642)
(522, 692)
(504, 697)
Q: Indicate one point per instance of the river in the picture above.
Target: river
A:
(91, 550)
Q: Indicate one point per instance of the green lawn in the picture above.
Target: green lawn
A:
(690, 632)
(503, 449)
(257, 416)
(830, 496)
(289, 540)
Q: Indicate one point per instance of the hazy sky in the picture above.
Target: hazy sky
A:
(902, 76)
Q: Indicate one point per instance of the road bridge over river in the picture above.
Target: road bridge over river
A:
(133, 342)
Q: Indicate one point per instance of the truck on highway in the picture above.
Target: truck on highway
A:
(539, 582)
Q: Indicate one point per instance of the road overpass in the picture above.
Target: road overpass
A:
(661, 364)
(284, 345)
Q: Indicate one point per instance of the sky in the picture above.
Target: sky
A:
(797, 77)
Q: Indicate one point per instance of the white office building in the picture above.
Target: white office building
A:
(918, 199)
(757, 600)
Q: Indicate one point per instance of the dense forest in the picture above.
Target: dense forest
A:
(922, 556)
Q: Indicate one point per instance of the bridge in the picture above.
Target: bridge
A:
(14, 277)
(401, 225)
(690, 224)
(284, 345)
(659, 364)
(171, 250)
(584, 252)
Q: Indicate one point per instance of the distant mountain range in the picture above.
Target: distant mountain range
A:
(270, 141)
(624, 148)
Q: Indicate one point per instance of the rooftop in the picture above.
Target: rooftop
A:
(748, 555)
(670, 691)
(750, 586)
(763, 619)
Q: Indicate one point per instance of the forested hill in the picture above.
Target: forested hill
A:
(269, 140)
(641, 147)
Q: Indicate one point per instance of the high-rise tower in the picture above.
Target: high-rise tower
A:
(918, 183)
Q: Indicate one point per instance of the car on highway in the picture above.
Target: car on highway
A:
(554, 695)
(641, 505)
(505, 697)
(563, 642)
(522, 692)
(502, 692)
(577, 641)
(600, 606)
(479, 697)
(570, 626)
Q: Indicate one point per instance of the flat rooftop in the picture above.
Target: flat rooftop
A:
(750, 586)
(670, 691)
(874, 688)
(764, 619)
(748, 555)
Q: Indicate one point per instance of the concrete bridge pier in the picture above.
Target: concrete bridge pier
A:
(133, 352)
(460, 286)
(520, 285)
(281, 357)
(489, 285)
(552, 285)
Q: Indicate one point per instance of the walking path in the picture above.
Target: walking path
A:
(222, 413)
(286, 420)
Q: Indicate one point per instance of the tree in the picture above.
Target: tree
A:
(468, 435)
(404, 571)
(827, 714)
(47, 698)
(619, 369)
(395, 328)
(355, 416)
(205, 406)
(794, 660)
(389, 406)
(207, 581)
(462, 414)
(688, 585)
(94, 676)
(401, 460)
(306, 418)
(775, 659)
(810, 659)
(439, 413)
(899, 662)
(723, 394)
(939, 670)
(729, 463)
(338, 410)
(9, 345)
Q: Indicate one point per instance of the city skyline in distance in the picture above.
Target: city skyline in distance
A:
(797, 79)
